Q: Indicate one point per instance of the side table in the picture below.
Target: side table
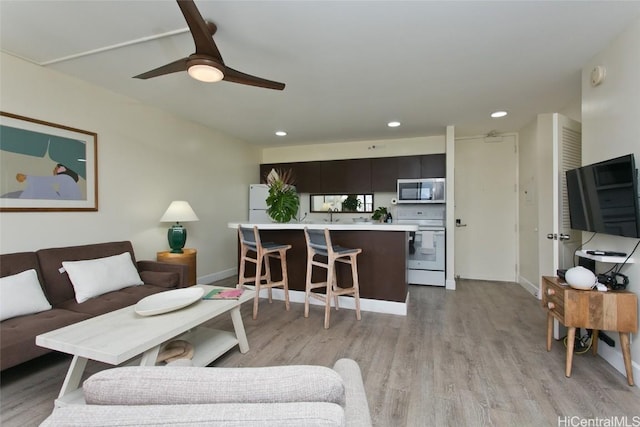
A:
(188, 258)
(606, 311)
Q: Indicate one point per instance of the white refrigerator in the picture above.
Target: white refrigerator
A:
(258, 204)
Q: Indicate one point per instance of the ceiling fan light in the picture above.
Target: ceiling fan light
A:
(205, 73)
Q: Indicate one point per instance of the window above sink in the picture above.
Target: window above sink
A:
(344, 203)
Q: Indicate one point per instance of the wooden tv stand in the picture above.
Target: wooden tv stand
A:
(606, 311)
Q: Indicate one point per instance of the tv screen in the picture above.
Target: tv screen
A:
(603, 197)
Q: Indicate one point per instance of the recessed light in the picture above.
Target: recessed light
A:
(393, 124)
(497, 114)
(281, 133)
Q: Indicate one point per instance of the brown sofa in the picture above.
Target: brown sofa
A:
(17, 335)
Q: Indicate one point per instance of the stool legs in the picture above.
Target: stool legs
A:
(267, 273)
(356, 284)
(269, 283)
(333, 291)
(307, 288)
(257, 282)
(285, 278)
(331, 283)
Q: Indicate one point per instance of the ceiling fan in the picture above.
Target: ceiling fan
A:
(206, 63)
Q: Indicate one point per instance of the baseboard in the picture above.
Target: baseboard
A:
(214, 277)
(614, 358)
(366, 304)
(533, 289)
(450, 284)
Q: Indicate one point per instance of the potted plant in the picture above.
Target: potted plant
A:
(351, 203)
(283, 201)
(379, 214)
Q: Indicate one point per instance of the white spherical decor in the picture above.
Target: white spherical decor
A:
(580, 278)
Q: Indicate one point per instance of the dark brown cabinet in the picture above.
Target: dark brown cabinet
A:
(306, 174)
(433, 166)
(385, 171)
(359, 176)
(346, 176)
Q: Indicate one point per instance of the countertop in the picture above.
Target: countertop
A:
(364, 226)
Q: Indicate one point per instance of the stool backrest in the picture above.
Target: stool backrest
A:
(249, 236)
(318, 240)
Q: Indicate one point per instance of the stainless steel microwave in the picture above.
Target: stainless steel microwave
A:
(425, 190)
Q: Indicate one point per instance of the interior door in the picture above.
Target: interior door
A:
(561, 142)
(561, 149)
(486, 208)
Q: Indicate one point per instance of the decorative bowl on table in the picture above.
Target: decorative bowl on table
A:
(165, 302)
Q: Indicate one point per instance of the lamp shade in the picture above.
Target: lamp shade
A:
(179, 211)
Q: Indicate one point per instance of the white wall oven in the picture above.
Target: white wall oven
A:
(426, 259)
(425, 190)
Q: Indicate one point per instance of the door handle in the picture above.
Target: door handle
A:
(564, 237)
(458, 223)
(552, 236)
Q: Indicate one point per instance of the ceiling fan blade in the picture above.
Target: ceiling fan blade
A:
(174, 67)
(201, 30)
(235, 76)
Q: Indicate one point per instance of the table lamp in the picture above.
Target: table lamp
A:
(178, 211)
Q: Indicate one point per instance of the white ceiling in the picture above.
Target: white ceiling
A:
(349, 66)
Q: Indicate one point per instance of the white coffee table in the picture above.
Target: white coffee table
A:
(123, 335)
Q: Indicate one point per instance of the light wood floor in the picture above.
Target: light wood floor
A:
(472, 357)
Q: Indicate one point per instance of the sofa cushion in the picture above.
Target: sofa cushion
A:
(18, 334)
(58, 287)
(297, 414)
(163, 279)
(18, 262)
(21, 294)
(182, 385)
(94, 277)
(112, 300)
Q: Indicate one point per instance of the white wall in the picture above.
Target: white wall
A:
(355, 149)
(146, 159)
(611, 128)
(528, 207)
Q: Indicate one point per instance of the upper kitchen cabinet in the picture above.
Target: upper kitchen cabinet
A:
(359, 176)
(346, 176)
(433, 166)
(385, 171)
(306, 174)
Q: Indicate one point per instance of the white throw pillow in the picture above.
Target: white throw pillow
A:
(94, 277)
(21, 294)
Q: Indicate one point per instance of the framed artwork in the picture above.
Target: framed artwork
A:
(46, 167)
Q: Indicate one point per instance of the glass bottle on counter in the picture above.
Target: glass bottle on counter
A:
(388, 219)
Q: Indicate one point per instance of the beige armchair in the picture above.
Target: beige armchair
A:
(280, 396)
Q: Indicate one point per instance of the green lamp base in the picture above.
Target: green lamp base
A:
(177, 236)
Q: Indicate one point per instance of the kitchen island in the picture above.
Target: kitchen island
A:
(382, 265)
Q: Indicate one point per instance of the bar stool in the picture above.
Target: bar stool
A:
(319, 243)
(250, 242)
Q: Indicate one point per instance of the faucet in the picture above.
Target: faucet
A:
(331, 211)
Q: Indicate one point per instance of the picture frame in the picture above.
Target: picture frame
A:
(46, 167)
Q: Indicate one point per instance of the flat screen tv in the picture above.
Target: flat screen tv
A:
(603, 197)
